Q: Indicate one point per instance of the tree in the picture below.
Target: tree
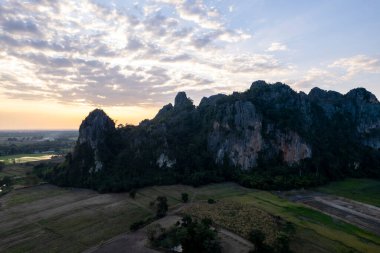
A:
(199, 236)
(211, 201)
(154, 231)
(257, 238)
(7, 181)
(185, 197)
(2, 165)
(132, 193)
(162, 206)
(282, 243)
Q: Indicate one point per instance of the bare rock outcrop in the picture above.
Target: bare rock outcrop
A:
(93, 132)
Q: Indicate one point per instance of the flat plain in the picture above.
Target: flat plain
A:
(43, 217)
(360, 189)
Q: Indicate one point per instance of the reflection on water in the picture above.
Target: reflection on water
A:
(26, 159)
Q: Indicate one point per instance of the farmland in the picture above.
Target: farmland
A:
(72, 220)
(63, 220)
(359, 189)
(33, 144)
(238, 217)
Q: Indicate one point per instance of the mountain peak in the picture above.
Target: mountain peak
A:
(182, 100)
(258, 83)
(362, 95)
(97, 113)
(94, 126)
(97, 117)
(93, 132)
(316, 94)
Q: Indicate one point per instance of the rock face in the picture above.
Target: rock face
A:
(237, 134)
(164, 161)
(360, 106)
(93, 133)
(267, 125)
(246, 127)
(293, 147)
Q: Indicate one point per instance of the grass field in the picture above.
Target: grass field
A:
(363, 190)
(325, 234)
(51, 219)
(23, 158)
(21, 175)
(71, 220)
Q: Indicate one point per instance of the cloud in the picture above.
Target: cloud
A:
(176, 58)
(134, 43)
(277, 46)
(357, 64)
(81, 52)
(196, 11)
(19, 26)
(315, 77)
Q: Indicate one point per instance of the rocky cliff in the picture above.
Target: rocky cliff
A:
(93, 132)
(238, 134)
(269, 124)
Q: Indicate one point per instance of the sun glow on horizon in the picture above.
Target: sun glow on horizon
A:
(59, 60)
(19, 114)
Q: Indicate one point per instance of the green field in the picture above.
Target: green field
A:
(363, 190)
(324, 234)
(23, 158)
(71, 220)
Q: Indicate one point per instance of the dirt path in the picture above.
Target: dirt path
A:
(356, 213)
(232, 243)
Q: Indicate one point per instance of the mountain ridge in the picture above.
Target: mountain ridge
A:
(269, 131)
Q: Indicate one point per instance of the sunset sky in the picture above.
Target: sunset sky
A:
(61, 59)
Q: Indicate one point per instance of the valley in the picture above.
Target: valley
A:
(341, 216)
(75, 220)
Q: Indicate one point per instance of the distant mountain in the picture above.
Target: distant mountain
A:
(267, 137)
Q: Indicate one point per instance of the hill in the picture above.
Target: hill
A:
(268, 137)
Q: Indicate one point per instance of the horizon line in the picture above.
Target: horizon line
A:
(36, 130)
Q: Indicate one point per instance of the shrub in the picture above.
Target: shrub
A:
(211, 201)
(193, 236)
(136, 225)
(257, 238)
(132, 193)
(154, 231)
(185, 197)
(162, 206)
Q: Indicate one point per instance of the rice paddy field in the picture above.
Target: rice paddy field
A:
(315, 231)
(71, 220)
(359, 189)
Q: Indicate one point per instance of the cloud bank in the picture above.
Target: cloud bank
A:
(84, 52)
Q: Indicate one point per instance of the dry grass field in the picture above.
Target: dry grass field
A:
(47, 218)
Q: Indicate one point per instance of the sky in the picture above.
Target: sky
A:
(61, 59)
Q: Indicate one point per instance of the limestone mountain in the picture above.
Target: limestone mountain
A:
(269, 132)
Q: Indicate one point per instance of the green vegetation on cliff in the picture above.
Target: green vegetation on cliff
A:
(268, 137)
